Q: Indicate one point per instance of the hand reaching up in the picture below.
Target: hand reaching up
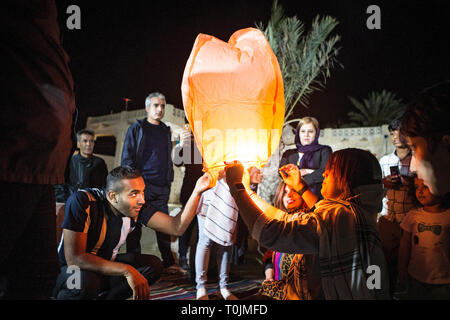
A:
(234, 172)
(202, 184)
(291, 176)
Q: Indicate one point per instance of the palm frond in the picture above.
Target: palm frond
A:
(377, 109)
(305, 59)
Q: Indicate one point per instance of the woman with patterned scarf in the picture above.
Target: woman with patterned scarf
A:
(277, 264)
(337, 245)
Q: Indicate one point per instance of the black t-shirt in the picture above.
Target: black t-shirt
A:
(155, 154)
(89, 212)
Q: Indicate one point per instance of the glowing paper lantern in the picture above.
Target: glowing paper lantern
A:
(233, 98)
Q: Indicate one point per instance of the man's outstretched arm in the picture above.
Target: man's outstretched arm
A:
(177, 225)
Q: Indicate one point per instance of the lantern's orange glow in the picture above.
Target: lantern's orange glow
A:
(233, 98)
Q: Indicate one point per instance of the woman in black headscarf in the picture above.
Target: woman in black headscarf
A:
(310, 156)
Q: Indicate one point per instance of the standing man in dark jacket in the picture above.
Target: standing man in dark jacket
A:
(148, 148)
(85, 169)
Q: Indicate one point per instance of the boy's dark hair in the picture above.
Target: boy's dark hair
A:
(85, 131)
(428, 114)
(394, 125)
(116, 175)
(353, 168)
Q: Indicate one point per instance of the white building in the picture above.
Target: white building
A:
(374, 139)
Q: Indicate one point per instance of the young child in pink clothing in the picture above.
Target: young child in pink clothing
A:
(424, 259)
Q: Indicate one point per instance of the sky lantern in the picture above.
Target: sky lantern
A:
(233, 98)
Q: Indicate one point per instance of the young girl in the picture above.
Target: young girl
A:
(339, 242)
(278, 265)
(217, 217)
(424, 247)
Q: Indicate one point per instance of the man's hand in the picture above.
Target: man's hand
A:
(202, 184)
(291, 176)
(139, 285)
(406, 180)
(255, 175)
(234, 172)
(269, 273)
(185, 138)
(250, 176)
(391, 182)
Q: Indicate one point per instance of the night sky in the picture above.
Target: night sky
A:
(131, 48)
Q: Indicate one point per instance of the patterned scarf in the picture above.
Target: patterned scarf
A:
(349, 244)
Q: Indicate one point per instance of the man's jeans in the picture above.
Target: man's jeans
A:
(93, 285)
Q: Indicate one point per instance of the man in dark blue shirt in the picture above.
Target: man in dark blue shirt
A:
(148, 148)
(96, 224)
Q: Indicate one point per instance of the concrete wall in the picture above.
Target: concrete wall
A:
(374, 139)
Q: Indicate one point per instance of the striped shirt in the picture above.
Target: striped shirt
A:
(220, 212)
(88, 211)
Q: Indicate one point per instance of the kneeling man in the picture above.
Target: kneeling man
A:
(96, 224)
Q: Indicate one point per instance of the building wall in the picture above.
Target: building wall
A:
(374, 139)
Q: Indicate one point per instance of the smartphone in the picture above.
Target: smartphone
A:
(395, 172)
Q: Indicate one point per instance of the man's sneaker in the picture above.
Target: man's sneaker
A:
(174, 269)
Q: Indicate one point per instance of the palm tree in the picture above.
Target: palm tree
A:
(378, 109)
(305, 58)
